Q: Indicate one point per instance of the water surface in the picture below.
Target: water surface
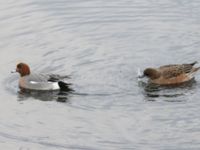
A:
(100, 44)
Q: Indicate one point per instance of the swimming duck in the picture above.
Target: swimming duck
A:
(171, 74)
(43, 82)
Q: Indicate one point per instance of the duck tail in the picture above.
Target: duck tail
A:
(64, 86)
(192, 64)
(196, 69)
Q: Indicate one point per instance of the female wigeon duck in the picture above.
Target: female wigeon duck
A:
(171, 74)
(31, 81)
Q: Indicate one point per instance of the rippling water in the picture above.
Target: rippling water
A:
(100, 44)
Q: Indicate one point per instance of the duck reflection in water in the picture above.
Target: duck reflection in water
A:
(169, 91)
(60, 96)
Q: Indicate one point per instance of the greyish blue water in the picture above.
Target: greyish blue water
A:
(100, 44)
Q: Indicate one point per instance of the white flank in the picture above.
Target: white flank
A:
(55, 86)
(44, 85)
(33, 82)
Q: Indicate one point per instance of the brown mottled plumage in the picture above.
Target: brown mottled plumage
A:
(171, 74)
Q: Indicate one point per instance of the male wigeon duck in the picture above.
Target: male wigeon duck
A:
(171, 74)
(31, 81)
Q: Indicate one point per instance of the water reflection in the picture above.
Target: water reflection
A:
(169, 91)
(101, 44)
(60, 96)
